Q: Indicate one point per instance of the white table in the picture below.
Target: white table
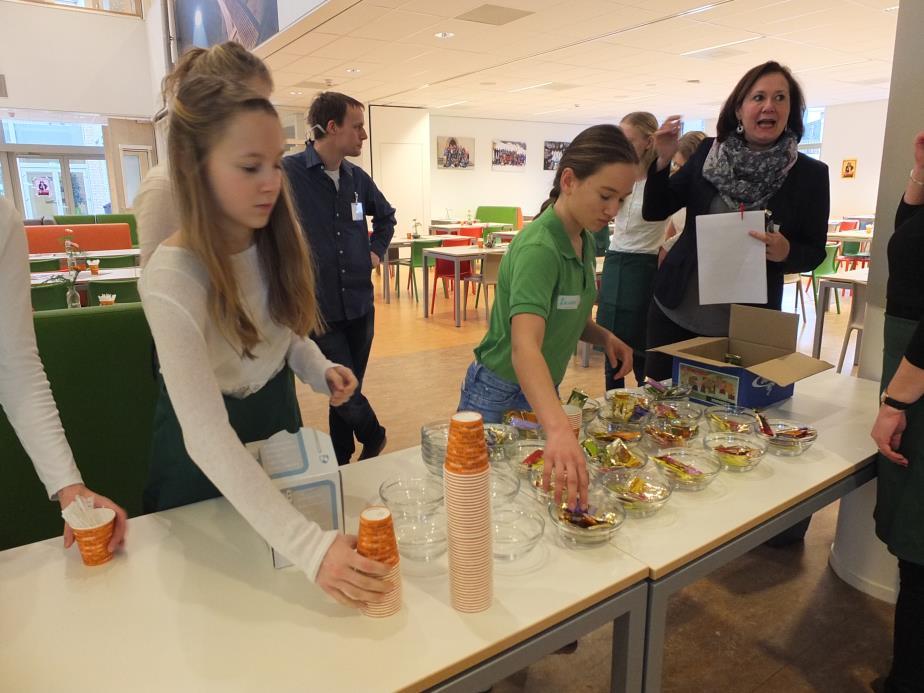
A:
(471, 225)
(89, 254)
(850, 236)
(696, 533)
(85, 277)
(505, 236)
(456, 255)
(194, 604)
(838, 280)
(404, 243)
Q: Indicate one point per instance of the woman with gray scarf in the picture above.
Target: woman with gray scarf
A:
(752, 164)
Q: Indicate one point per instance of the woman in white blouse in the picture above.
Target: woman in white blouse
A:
(24, 391)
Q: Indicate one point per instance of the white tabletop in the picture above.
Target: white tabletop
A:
(85, 276)
(842, 408)
(859, 235)
(89, 254)
(195, 604)
(471, 225)
(406, 242)
(854, 276)
(464, 251)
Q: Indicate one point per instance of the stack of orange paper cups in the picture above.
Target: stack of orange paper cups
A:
(574, 415)
(467, 485)
(376, 540)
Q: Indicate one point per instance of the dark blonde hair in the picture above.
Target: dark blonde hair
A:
(647, 124)
(689, 143)
(200, 115)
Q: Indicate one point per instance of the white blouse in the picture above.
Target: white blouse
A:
(155, 211)
(633, 234)
(199, 365)
(25, 394)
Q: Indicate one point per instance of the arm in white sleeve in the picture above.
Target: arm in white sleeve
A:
(308, 362)
(25, 394)
(211, 441)
(155, 211)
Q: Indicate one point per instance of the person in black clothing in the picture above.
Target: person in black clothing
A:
(334, 197)
(752, 164)
(899, 431)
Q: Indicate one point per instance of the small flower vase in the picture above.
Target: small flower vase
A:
(73, 298)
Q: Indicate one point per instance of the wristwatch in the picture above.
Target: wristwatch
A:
(894, 403)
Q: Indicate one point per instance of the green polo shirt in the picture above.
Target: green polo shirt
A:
(540, 274)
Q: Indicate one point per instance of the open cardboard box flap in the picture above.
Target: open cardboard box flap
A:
(788, 369)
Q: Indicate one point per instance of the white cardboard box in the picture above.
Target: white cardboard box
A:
(304, 468)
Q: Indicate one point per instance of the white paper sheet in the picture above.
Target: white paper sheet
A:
(732, 265)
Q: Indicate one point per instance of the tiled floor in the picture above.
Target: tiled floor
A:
(773, 621)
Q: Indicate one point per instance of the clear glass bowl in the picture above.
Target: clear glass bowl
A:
(526, 423)
(727, 418)
(786, 446)
(421, 537)
(505, 485)
(407, 495)
(501, 440)
(664, 433)
(625, 406)
(642, 492)
(748, 450)
(590, 410)
(687, 469)
(524, 450)
(605, 431)
(668, 393)
(615, 454)
(534, 481)
(599, 505)
(516, 532)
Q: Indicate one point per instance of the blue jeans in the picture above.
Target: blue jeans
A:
(489, 395)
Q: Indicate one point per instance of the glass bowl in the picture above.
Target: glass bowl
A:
(590, 410)
(609, 513)
(605, 431)
(727, 418)
(625, 406)
(501, 440)
(407, 495)
(523, 459)
(525, 422)
(664, 433)
(642, 492)
(790, 438)
(516, 532)
(615, 454)
(687, 469)
(505, 485)
(742, 454)
(421, 537)
(665, 392)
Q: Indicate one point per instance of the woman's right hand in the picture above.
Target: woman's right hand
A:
(564, 463)
(667, 140)
(352, 579)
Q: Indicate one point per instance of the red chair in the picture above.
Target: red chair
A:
(471, 232)
(90, 237)
(848, 225)
(445, 270)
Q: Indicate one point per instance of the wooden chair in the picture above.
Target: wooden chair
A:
(486, 278)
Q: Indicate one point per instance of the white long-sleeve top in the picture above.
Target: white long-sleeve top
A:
(155, 211)
(25, 394)
(633, 234)
(199, 365)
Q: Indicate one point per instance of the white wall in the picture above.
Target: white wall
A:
(461, 190)
(400, 152)
(155, 23)
(854, 131)
(66, 60)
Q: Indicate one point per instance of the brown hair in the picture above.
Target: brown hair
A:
(202, 110)
(591, 150)
(689, 143)
(328, 106)
(229, 60)
(647, 124)
(728, 119)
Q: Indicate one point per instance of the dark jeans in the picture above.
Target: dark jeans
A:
(348, 342)
(907, 675)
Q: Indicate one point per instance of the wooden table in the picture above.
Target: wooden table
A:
(456, 255)
(404, 243)
(697, 533)
(838, 280)
(194, 604)
(85, 277)
(88, 254)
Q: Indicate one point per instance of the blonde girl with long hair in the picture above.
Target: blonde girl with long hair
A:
(230, 300)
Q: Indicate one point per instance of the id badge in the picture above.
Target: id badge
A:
(356, 209)
(569, 302)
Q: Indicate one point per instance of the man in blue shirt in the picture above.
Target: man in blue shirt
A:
(333, 198)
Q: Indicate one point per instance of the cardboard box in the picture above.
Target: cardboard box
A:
(770, 365)
(304, 468)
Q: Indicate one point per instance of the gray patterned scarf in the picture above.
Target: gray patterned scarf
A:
(747, 176)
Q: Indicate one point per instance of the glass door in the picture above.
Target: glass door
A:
(41, 180)
(89, 186)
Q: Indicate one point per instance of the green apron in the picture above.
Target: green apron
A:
(626, 289)
(174, 479)
(899, 510)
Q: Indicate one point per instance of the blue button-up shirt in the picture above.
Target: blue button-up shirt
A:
(340, 246)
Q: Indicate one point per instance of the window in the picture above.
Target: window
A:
(693, 124)
(814, 122)
(130, 7)
(37, 132)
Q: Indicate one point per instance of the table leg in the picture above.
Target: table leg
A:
(820, 306)
(456, 268)
(426, 283)
(386, 278)
(626, 668)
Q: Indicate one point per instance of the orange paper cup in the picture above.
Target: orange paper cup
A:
(94, 542)
(376, 539)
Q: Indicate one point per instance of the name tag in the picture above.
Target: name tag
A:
(356, 208)
(569, 302)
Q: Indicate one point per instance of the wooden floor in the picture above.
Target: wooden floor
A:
(773, 621)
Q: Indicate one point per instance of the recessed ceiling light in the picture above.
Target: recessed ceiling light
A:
(891, 9)
(531, 86)
(444, 34)
(423, 86)
(352, 70)
(295, 93)
(721, 45)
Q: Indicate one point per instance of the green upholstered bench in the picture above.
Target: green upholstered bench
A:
(70, 219)
(98, 362)
(501, 215)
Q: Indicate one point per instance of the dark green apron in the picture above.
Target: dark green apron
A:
(174, 479)
(626, 289)
(899, 510)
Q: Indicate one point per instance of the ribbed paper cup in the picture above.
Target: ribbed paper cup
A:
(392, 603)
(94, 542)
(376, 539)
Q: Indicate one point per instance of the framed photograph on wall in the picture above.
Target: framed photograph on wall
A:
(455, 152)
(551, 154)
(508, 155)
(849, 168)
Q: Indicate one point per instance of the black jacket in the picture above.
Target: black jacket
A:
(800, 208)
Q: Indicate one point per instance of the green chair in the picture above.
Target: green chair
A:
(501, 215)
(126, 290)
(116, 261)
(121, 219)
(827, 267)
(415, 261)
(851, 255)
(68, 219)
(51, 296)
(44, 265)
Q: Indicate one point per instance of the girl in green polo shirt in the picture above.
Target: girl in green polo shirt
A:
(546, 289)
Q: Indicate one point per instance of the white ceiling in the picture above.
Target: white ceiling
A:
(603, 58)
